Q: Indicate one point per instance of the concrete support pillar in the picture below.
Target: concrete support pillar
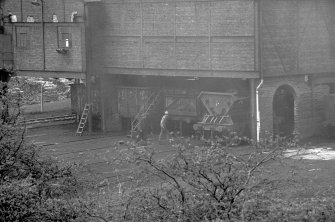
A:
(103, 103)
(114, 118)
(253, 124)
(89, 101)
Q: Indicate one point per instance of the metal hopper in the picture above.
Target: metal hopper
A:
(217, 106)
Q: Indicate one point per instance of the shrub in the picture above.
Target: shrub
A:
(264, 208)
(196, 184)
(208, 184)
(32, 187)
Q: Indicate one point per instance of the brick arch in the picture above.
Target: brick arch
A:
(284, 110)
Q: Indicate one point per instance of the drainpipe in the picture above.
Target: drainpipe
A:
(258, 34)
(88, 64)
(258, 123)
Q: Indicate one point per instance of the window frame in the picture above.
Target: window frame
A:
(22, 42)
(62, 31)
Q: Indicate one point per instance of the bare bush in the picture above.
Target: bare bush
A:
(32, 188)
(195, 184)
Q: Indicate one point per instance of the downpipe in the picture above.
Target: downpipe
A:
(258, 123)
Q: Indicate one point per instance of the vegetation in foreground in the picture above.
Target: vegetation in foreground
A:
(196, 184)
(32, 188)
(212, 184)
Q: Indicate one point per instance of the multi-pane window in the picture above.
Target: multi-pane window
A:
(64, 37)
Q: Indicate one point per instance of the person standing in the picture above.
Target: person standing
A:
(164, 129)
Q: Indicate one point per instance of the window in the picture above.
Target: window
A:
(64, 37)
(22, 40)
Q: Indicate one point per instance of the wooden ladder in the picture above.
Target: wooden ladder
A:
(83, 120)
(140, 115)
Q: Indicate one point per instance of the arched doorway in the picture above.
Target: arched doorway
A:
(283, 111)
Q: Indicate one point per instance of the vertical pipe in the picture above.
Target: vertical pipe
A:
(64, 10)
(209, 37)
(43, 27)
(41, 98)
(252, 82)
(258, 121)
(43, 34)
(21, 11)
(175, 34)
(88, 66)
(256, 36)
(141, 38)
(258, 33)
(103, 105)
(312, 107)
(253, 110)
(42, 86)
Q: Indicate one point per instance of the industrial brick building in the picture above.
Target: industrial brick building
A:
(297, 64)
(227, 58)
(279, 51)
(46, 39)
(39, 32)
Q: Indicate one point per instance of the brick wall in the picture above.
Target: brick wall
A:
(70, 61)
(14, 7)
(319, 93)
(178, 35)
(297, 37)
(62, 8)
(30, 57)
(6, 53)
(73, 6)
(309, 105)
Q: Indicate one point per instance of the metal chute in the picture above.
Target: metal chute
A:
(217, 105)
